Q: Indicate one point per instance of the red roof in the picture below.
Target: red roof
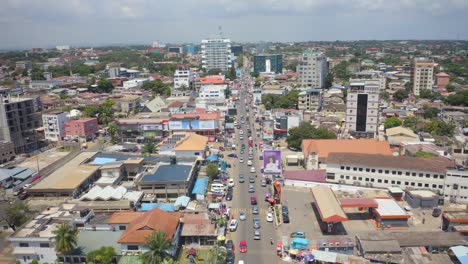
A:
(358, 202)
(212, 80)
(177, 104)
(306, 175)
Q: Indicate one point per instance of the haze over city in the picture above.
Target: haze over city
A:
(28, 23)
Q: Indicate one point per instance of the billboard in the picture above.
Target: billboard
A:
(267, 130)
(272, 162)
(188, 124)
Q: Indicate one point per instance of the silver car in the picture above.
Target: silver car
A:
(257, 235)
(251, 188)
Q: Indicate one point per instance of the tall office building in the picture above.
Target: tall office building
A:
(268, 63)
(312, 69)
(362, 110)
(216, 54)
(423, 75)
(19, 119)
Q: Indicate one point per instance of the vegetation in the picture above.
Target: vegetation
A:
(16, 215)
(440, 128)
(384, 95)
(329, 80)
(113, 130)
(341, 71)
(103, 86)
(459, 98)
(307, 131)
(392, 122)
(400, 95)
(148, 148)
(104, 113)
(423, 154)
(104, 255)
(431, 112)
(411, 122)
(159, 246)
(428, 94)
(211, 170)
(157, 87)
(273, 101)
(66, 237)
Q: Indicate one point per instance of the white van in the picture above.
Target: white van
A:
(217, 187)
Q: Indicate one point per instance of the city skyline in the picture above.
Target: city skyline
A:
(27, 24)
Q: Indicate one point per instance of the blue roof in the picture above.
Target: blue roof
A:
(102, 161)
(152, 158)
(212, 158)
(461, 252)
(24, 174)
(172, 172)
(200, 186)
(168, 207)
(15, 172)
(182, 201)
(299, 243)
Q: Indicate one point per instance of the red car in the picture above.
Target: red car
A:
(243, 246)
(253, 200)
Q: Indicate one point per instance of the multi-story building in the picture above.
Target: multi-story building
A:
(456, 186)
(54, 125)
(216, 54)
(205, 124)
(7, 151)
(312, 69)
(140, 129)
(23, 65)
(19, 119)
(380, 82)
(268, 63)
(362, 110)
(213, 91)
(84, 128)
(285, 119)
(310, 100)
(183, 77)
(423, 73)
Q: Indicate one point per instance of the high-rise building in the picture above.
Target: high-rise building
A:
(312, 69)
(216, 54)
(268, 63)
(19, 119)
(237, 50)
(183, 77)
(423, 75)
(362, 110)
(54, 125)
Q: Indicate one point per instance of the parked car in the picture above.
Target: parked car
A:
(251, 179)
(436, 212)
(233, 225)
(241, 178)
(228, 196)
(243, 246)
(242, 216)
(252, 169)
(284, 210)
(23, 196)
(269, 217)
(231, 182)
(241, 160)
(263, 184)
(232, 155)
(251, 188)
(298, 234)
(285, 219)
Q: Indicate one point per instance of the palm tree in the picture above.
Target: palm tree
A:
(148, 148)
(159, 245)
(170, 261)
(113, 129)
(66, 237)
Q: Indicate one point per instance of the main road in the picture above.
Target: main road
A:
(259, 251)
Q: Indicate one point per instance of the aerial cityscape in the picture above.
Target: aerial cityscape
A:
(233, 132)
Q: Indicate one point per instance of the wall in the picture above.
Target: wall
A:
(43, 254)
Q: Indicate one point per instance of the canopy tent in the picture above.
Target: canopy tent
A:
(182, 201)
(299, 243)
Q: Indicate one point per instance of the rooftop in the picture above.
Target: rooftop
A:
(124, 217)
(82, 120)
(438, 165)
(423, 193)
(326, 146)
(427, 239)
(306, 175)
(169, 172)
(378, 242)
(390, 208)
(92, 240)
(327, 204)
(68, 177)
(192, 142)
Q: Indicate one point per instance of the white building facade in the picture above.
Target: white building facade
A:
(456, 186)
(54, 125)
(312, 69)
(362, 110)
(183, 77)
(216, 54)
(213, 91)
(423, 75)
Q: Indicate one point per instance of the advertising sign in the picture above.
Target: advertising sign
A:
(267, 130)
(175, 125)
(272, 162)
(190, 124)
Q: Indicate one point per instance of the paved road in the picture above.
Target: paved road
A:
(259, 251)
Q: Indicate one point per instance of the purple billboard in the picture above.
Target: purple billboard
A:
(272, 162)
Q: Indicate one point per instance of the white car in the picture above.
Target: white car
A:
(241, 132)
(252, 169)
(249, 163)
(241, 160)
(242, 216)
(233, 225)
(231, 182)
(269, 217)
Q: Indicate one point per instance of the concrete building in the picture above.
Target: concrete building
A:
(84, 128)
(216, 54)
(7, 151)
(183, 77)
(383, 171)
(206, 124)
(139, 129)
(310, 100)
(380, 82)
(213, 91)
(184, 144)
(362, 110)
(54, 125)
(268, 63)
(312, 69)
(237, 50)
(442, 80)
(23, 65)
(423, 73)
(19, 119)
(456, 186)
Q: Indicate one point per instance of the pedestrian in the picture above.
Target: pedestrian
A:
(271, 240)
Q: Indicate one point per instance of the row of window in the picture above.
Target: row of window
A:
(414, 184)
(394, 172)
(42, 245)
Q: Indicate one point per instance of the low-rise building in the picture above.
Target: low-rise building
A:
(398, 135)
(128, 104)
(310, 100)
(54, 125)
(456, 186)
(189, 144)
(84, 128)
(205, 124)
(7, 151)
(139, 129)
(183, 78)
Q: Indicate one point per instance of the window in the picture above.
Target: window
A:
(413, 174)
(347, 177)
(342, 177)
(421, 174)
(435, 176)
(379, 180)
(347, 168)
(387, 171)
(406, 183)
(354, 169)
(360, 178)
(434, 185)
(398, 182)
(44, 245)
(331, 176)
(122, 227)
(441, 176)
(342, 167)
(367, 169)
(380, 171)
(372, 170)
(400, 172)
(367, 179)
(428, 175)
(393, 172)
(132, 247)
(22, 244)
(354, 178)
(385, 181)
(393, 182)
(419, 184)
(426, 185)
(412, 184)
(360, 169)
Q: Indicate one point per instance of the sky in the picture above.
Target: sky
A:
(46, 23)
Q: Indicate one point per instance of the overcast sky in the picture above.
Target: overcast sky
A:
(46, 23)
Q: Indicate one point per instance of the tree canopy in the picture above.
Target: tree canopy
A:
(273, 101)
(16, 215)
(104, 255)
(307, 131)
(148, 148)
(211, 170)
(439, 128)
(392, 122)
(159, 245)
(459, 98)
(400, 95)
(66, 238)
(103, 86)
(157, 87)
(431, 112)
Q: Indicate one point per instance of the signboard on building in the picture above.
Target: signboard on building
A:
(272, 162)
(151, 127)
(190, 124)
(267, 130)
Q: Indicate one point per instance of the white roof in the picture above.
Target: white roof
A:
(324, 256)
(110, 193)
(388, 207)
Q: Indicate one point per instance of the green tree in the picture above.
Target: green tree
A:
(113, 130)
(431, 112)
(450, 88)
(103, 86)
(329, 80)
(157, 87)
(63, 96)
(213, 72)
(411, 122)
(170, 261)
(400, 95)
(254, 74)
(66, 237)
(34, 261)
(384, 95)
(230, 74)
(16, 215)
(392, 122)
(211, 170)
(307, 131)
(459, 98)
(159, 246)
(104, 255)
(148, 148)
(423, 154)
(439, 128)
(37, 74)
(341, 71)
